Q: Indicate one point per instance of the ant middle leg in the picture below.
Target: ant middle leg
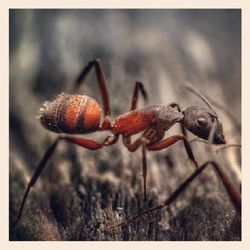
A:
(142, 141)
(135, 145)
(132, 147)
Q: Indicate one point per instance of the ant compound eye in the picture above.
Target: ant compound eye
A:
(202, 121)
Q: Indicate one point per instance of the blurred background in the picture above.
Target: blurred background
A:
(81, 190)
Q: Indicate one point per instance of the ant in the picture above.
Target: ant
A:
(80, 114)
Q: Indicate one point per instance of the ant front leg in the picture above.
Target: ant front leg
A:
(102, 84)
(176, 105)
(233, 194)
(183, 130)
(81, 141)
(171, 140)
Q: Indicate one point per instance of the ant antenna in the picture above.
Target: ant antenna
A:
(205, 98)
(228, 146)
(192, 89)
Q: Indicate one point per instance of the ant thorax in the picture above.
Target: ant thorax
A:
(165, 117)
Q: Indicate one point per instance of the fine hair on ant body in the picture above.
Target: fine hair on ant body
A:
(80, 114)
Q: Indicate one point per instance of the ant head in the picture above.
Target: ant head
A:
(200, 120)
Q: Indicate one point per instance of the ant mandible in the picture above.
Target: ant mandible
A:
(81, 114)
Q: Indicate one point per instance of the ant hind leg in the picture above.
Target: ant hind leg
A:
(138, 87)
(77, 140)
(101, 81)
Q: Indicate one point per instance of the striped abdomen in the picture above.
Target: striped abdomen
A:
(71, 114)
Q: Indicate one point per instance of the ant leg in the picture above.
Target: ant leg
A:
(144, 171)
(36, 174)
(102, 84)
(132, 147)
(138, 86)
(160, 144)
(171, 140)
(176, 105)
(83, 142)
(88, 143)
(127, 140)
(183, 130)
(234, 195)
(144, 139)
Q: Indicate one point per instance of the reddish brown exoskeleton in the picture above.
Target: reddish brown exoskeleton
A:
(81, 114)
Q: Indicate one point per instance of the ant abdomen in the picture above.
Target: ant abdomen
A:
(73, 114)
